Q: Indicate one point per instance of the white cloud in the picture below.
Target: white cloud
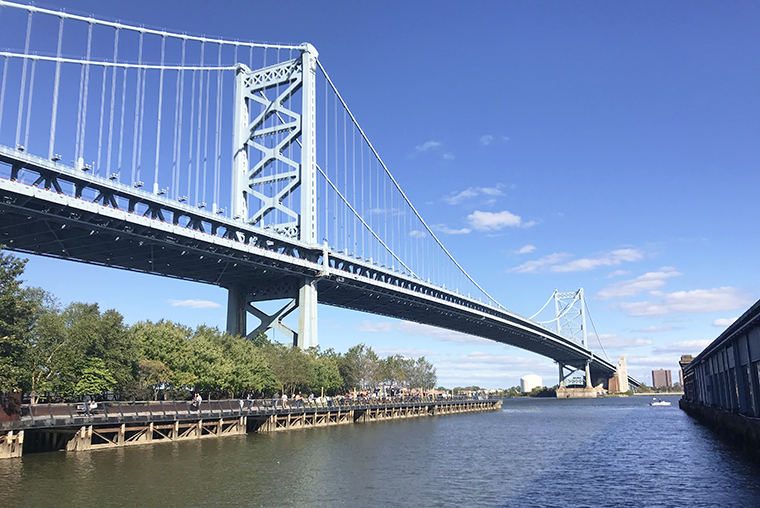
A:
(481, 359)
(455, 199)
(686, 346)
(432, 146)
(488, 221)
(618, 273)
(417, 234)
(405, 352)
(613, 341)
(606, 259)
(552, 261)
(194, 304)
(724, 322)
(696, 301)
(656, 329)
(526, 249)
(647, 282)
(411, 328)
(370, 327)
(427, 145)
(486, 140)
(651, 361)
(443, 228)
(472, 192)
(536, 265)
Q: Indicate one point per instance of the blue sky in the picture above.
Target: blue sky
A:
(608, 145)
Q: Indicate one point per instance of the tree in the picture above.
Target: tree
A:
(154, 374)
(424, 375)
(19, 309)
(292, 367)
(326, 372)
(95, 378)
(50, 359)
(168, 343)
(359, 367)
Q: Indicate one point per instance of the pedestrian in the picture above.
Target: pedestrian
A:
(198, 400)
(299, 400)
(284, 400)
(276, 399)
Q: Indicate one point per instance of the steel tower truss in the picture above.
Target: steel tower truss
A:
(570, 312)
(282, 142)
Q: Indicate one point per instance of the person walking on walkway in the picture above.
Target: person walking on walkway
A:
(276, 399)
(284, 400)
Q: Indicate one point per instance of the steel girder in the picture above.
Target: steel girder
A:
(224, 252)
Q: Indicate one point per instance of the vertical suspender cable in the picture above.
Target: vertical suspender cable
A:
(2, 88)
(345, 184)
(337, 169)
(100, 123)
(385, 218)
(327, 172)
(56, 84)
(190, 144)
(29, 104)
(178, 110)
(85, 93)
(137, 108)
(142, 122)
(218, 138)
(113, 100)
(160, 108)
(22, 90)
(205, 135)
(353, 183)
(362, 203)
(200, 124)
(79, 115)
(121, 121)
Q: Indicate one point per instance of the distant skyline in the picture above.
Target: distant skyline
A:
(606, 145)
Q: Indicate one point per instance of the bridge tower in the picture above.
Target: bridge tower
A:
(570, 312)
(274, 162)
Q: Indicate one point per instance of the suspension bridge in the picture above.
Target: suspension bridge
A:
(230, 163)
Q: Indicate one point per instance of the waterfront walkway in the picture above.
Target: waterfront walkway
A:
(72, 427)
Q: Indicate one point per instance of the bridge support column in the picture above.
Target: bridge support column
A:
(303, 297)
(307, 315)
(561, 375)
(236, 311)
(588, 377)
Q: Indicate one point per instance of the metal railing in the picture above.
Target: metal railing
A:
(81, 413)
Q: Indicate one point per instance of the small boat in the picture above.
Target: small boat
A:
(659, 402)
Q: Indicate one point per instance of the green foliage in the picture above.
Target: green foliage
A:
(359, 367)
(514, 391)
(95, 378)
(59, 353)
(542, 391)
(19, 309)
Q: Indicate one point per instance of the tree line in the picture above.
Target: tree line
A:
(60, 353)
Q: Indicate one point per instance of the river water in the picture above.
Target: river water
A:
(533, 453)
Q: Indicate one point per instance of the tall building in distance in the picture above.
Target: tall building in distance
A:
(661, 378)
